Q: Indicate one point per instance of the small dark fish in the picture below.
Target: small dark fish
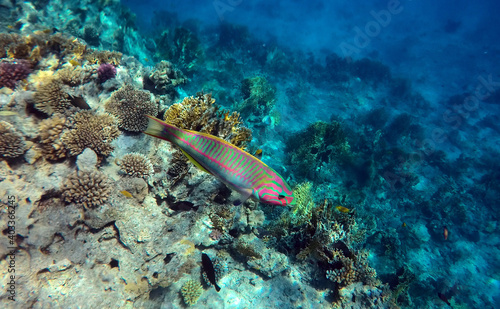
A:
(208, 268)
(444, 298)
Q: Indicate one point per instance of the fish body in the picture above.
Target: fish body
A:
(208, 268)
(236, 168)
(342, 209)
(126, 193)
(445, 233)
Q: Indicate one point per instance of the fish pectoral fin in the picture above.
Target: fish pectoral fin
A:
(196, 163)
(241, 196)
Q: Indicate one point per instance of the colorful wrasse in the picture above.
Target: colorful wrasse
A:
(236, 168)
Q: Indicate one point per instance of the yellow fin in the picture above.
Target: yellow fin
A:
(198, 165)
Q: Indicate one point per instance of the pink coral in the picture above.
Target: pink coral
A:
(12, 71)
(106, 71)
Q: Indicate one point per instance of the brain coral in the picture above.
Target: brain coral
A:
(201, 114)
(191, 291)
(130, 106)
(12, 143)
(91, 131)
(136, 165)
(87, 188)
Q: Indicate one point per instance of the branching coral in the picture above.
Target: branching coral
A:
(163, 78)
(12, 143)
(89, 189)
(91, 131)
(136, 165)
(51, 97)
(201, 114)
(50, 137)
(75, 75)
(347, 270)
(191, 292)
(13, 71)
(130, 106)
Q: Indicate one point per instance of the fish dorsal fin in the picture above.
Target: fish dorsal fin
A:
(198, 165)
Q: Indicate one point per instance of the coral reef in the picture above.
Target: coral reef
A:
(51, 130)
(259, 96)
(52, 97)
(105, 72)
(320, 143)
(91, 131)
(201, 114)
(12, 143)
(13, 71)
(130, 106)
(164, 78)
(89, 189)
(191, 292)
(136, 165)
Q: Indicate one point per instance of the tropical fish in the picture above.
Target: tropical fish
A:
(236, 168)
(342, 209)
(258, 153)
(404, 224)
(444, 298)
(445, 233)
(8, 113)
(126, 193)
(208, 268)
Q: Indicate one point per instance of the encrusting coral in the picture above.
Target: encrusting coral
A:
(136, 165)
(12, 143)
(89, 189)
(201, 114)
(130, 106)
(50, 137)
(191, 292)
(91, 131)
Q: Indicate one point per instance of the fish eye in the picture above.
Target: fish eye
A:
(281, 197)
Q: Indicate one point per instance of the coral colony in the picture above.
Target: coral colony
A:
(287, 181)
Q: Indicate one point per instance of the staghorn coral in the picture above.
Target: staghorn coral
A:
(201, 114)
(164, 78)
(50, 137)
(136, 165)
(51, 97)
(91, 131)
(13, 71)
(89, 189)
(191, 291)
(12, 143)
(130, 106)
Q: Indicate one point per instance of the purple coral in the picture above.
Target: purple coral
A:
(105, 72)
(12, 71)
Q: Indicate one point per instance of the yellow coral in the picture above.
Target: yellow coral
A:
(191, 292)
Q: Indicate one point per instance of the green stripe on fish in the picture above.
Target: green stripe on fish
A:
(236, 168)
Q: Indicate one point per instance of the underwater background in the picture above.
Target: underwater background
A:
(382, 116)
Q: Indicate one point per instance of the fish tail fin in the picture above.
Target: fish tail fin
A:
(217, 288)
(160, 129)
